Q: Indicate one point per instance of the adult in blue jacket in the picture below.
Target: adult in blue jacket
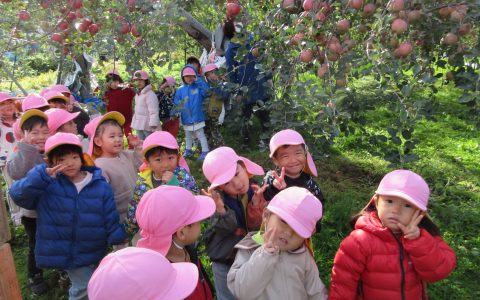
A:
(254, 85)
(74, 228)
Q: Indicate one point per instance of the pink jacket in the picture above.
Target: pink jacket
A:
(372, 263)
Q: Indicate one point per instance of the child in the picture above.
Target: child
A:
(216, 96)
(279, 264)
(34, 101)
(77, 219)
(60, 120)
(119, 98)
(290, 155)
(119, 166)
(169, 218)
(145, 117)
(165, 99)
(28, 154)
(139, 274)
(8, 116)
(238, 209)
(188, 102)
(163, 165)
(394, 250)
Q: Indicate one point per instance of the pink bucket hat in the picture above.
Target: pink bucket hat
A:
(113, 72)
(60, 88)
(220, 166)
(291, 137)
(299, 208)
(92, 126)
(140, 74)
(61, 138)
(138, 273)
(57, 117)
(34, 101)
(209, 67)
(164, 210)
(164, 139)
(53, 94)
(5, 97)
(407, 185)
(170, 80)
(188, 71)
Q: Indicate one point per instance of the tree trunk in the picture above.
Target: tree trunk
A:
(195, 29)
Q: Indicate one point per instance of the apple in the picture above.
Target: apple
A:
(77, 4)
(414, 15)
(289, 6)
(450, 39)
(93, 29)
(307, 5)
(306, 55)
(255, 52)
(355, 4)
(297, 38)
(233, 9)
(396, 5)
(403, 50)
(399, 26)
(23, 15)
(71, 16)
(322, 70)
(62, 25)
(57, 37)
(134, 30)
(464, 29)
(369, 10)
(342, 26)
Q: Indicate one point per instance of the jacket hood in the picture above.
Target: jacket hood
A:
(191, 67)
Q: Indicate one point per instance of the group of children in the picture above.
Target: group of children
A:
(85, 194)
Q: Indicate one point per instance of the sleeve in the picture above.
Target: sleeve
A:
(255, 212)
(313, 284)
(432, 258)
(115, 231)
(348, 265)
(21, 161)
(250, 274)
(27, 192)
(224, 224)
(131, 221)
(153, 108)
(270, 190)
(175, 111)
(186, 180)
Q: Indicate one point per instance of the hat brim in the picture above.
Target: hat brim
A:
(79, 144)
(404, 196)
(186, 279)
(31, 113)
(251, 167)
(205, 209)
(291, 221)
(59, 96)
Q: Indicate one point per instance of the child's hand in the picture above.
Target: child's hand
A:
(411, 231)
(258, 194)
(134, 141)
(217, 198)
(270, 239)
(52, 172)
(279, 181)
(167, 176)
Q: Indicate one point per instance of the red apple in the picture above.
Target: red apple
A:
(355, 4)
(71, 16)
(77, 4)
(93, 29)
(134, 30)
(322, 70)
(396, 5)
(289, 6)
(414, 15)
(233, 9)
(369, 10)
(307, 5)
(306, 56)
(57, 37)
(297, 38)
(125, 28)
(23, 15)
(450, 39)
(403, 50)
(62, 25)
(399, 26)
(342, 26)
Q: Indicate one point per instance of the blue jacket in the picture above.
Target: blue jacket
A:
(73, 229)
(188, 101)
(245, 74)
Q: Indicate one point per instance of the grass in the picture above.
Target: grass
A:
(450, 161)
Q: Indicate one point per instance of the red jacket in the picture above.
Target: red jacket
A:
(374, 264)
(120, 100)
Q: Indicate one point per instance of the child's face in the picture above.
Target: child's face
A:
(37, 136)
(285, 237)
(7, 108)
(114, 84)
(111, 141)
(140, 83)
(69, 127)
(189, 79)
(162, 162)
(292, 157)
(191, 233)
(73, 162)
(239, 184)
(212, 76)
(393, 210)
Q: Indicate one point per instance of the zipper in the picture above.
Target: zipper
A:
(402, 280)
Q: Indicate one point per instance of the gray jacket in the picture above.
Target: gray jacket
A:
(257, 274)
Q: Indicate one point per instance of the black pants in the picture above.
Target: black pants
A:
(247, 111)
(30, 225)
